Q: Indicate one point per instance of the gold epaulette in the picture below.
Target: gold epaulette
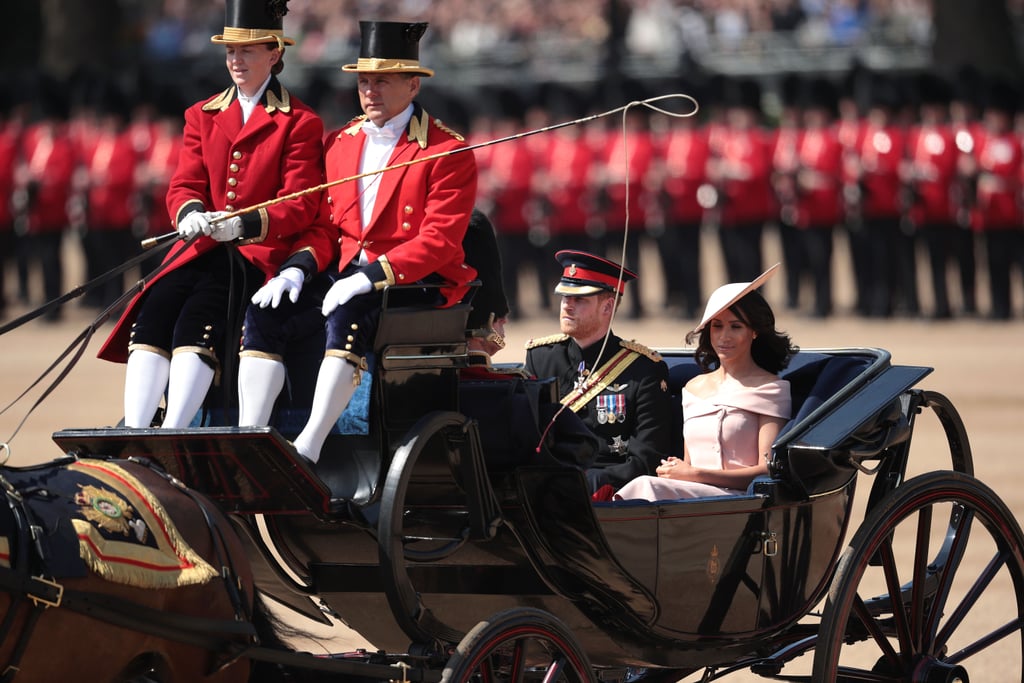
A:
(440, 126)
(641, 349)
(545, 341)
(353, 126)
(221, 101)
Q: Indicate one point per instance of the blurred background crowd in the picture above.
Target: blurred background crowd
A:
(892, 125)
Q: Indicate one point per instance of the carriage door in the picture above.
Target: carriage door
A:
(711, 556)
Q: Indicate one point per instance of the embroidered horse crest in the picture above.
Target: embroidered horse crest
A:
(109, 511)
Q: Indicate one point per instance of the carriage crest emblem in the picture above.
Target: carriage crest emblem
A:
(714, 567)
(107, 510)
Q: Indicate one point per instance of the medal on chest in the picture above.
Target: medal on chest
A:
(611, 408)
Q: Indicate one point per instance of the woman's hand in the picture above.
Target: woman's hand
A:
(676, 468)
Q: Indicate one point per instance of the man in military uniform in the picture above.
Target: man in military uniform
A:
(618, 387)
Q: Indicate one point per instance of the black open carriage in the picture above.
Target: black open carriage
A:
(444, 537)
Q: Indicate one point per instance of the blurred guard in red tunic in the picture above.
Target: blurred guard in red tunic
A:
(874, 167)
(818, 206)
(739, 168)
(43, 186)
(403, 226)
(251, 143)
(997, 215)
(929, 174)
(10, 142)
(109, 161)
(681, 158)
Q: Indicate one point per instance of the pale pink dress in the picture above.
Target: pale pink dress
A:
(720, 433)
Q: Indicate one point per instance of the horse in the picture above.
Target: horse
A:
(131, 612)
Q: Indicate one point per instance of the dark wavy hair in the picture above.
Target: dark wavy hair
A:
(770, 349)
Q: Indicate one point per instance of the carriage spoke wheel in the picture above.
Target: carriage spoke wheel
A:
(518, 646)
(948, 551)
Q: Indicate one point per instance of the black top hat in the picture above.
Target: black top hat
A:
(249, 22)
(390, 47)
(481, 251)
(584, 274)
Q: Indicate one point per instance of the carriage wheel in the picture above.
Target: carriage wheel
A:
(960, 608)
(519, 645)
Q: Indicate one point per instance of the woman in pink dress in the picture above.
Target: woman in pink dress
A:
(732, 413)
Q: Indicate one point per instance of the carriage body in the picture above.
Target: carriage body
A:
(436, 518)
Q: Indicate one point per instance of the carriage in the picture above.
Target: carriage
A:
(449, 534)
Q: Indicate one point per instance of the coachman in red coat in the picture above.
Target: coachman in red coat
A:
(393, 227)
(251, 143)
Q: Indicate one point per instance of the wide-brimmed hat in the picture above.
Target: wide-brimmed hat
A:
(390, 47)
(726, 296)
(584, 274)
(250, 22)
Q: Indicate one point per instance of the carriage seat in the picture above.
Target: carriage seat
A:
(813, 377)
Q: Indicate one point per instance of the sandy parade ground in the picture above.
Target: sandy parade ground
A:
(978, 364)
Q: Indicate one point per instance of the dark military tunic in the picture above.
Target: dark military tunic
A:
(625, 401)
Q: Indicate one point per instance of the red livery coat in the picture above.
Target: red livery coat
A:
(421, 212)
(225, 166)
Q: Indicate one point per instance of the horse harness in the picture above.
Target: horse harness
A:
(28, 581)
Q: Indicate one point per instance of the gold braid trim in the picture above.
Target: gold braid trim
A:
(546, 341)
(221, 101)
(634, 345)
(358, 361)
(599, 380)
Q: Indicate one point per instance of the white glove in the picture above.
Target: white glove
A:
(224, 229)
(194, 224)
(288, 281)
(343, 290)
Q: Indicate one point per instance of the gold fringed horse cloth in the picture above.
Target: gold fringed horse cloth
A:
(126, 536)
(95, 514)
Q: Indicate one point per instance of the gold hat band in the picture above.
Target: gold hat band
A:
(233, 34)
(393, 65)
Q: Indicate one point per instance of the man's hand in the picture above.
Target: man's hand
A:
(194, 224)
(288, 281)
(343, 290)
(224, 229)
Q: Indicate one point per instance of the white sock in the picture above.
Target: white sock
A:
(334, 389)
(260, 380)
(190, 379)
(145, 379)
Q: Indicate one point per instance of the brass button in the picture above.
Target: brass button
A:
(236, 155)
(355, 326)
(330, 199)
(408, 209)
(330, 217)
(401, 276)
(406, 226)
(208, 328)
(233, 168)
(350, 338)
(206, 336)
(231, 195)
(348, 347)
(232, 181)
(229, 207)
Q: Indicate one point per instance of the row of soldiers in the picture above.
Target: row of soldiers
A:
(901, 165)
(100, 171)
(940, 172)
